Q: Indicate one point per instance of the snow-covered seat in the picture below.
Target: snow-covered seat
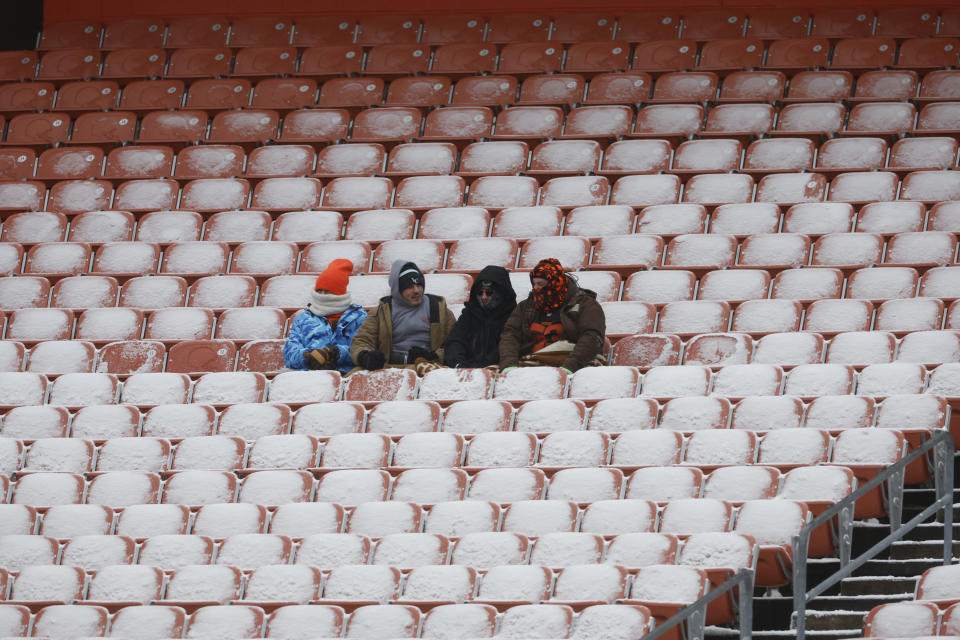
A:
(411, 550)
(605, 382)
(261, 259)
(574, 449)
(228, 387)
(125, 585)
(23, 550)
(18, 519)
(283, 451)
(711, 448)
(883, 284)
(93, 552)
(473, 620)
(200, 487)
(595, 583)
(744, 482)
(930, 347)
(477, 416)
(819, 487)
(276, 583)
(509, 585)
(902, 619)
(123, 488)
(658, 447)
(666, 588)
(249, 551)
(938, 585)
(562, 548)
(501, 449)
(734, 285)
(70, 455)
(807, 285)
(199, 585)
(641, 549)
(469, 254)
(353, 486)
(144, 520)
(330, 550)
(237, 620)
(249, 418)
(772, 524)
(698, 251)
(324, 419)
(672, 219)
(376, 225)
(301, 519)
(573, 252)
(110, 324)
(177, 421)
(660, 287)
(46, 489)
(165, 620)
(428, 486)
(891, 378)
(742, 380)
(84, 292)
(69, 520)
(503, 485)
(775, 251)
(171, 552)
(57, 259)
(792, 447)
(395, 418)
(833, 316)
(532, 383)
(767, 316)
(323, 620)
(808, 380)
(550, 416)
(718, 349)
(377, 519)
(628, 253)
(62, 356)
(628, 317)
(837, 413)
(687, 516)
(662, 484)
(376, 386)
(361, 584)
(220, 521)
(255, 323)
(296, 387)
(789, 349)
(445, 385)
(37, 585)
(675, 381)
(134, 454)
(71, 620)
(33, 421)
(276, 487)
(453, 223)
(24, 292)
(586, 484)
(393, 620)
(30, 326)
(689, 414)
(904, 315)
(867, 452)
(357, 450)
(859, 348)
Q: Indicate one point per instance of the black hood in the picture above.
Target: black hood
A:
(500, 278)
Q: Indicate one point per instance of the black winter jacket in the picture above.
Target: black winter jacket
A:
(474, 340)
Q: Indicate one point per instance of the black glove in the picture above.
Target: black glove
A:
(419, 352)
(371, 360)
(325, 358)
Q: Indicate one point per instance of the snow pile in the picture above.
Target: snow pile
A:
(574, 449)
(858, 347)
(720, 447)
(695, 515)
(668, 583)
(428, 450)
(623, 414)
(378, 519)
(428, 486)
(658, 447)
(891, 378)
(133, 454)
(664, 483)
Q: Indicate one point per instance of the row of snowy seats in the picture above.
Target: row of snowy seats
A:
(318, 621)
(935, 609)
(493, 157)
(638, 188)
(784, 448)
(625, 253)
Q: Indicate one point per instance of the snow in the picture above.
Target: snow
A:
(668, 583)
(672, 219)
(675, 381)
(867, 446)
(708, 155)
(216, 583)
(720, 446)
(454, 222)
(891, 378)
(283, 583)
(381, 622)
(112, 323)
(36, 226)
(69, 621)
(430, 191)
(123, 488)
(859, 347)
(575, 191)
(74, 520)
(527, 222)
(635, 550)
(92, 553)
(173, 552)
(222, 520)
(455, 384)
(72, 455)
(47, 583)
(288, 194)
(155, 388)
(599, 221)
(664, 483)
(562, 548)
(362, 583)
(20, 388)
(331, 550)
(818, 380)
(276, 486)
(503, 191)
(126, 583)
(585, 485)
(359, 450)
(816, 483)
(933, 347)
(771, 521)
(515, 583)
(717, 550)
(302, 519)
(409, 550)
(308, 226)
(475, 253)
(40, 324)
(604, 382)
(169, 226)
(747, 380)
(931, 185)
(719, 188)
(506, 156)
(375, 225)
(840, 412)
(425, 157)
(214, 194)
(670, 118)
(359, 193)
(22, 550)
(853, 153)
(532, 383)
(903, 619)
(228, 387)
(628, 317)
(248, 551)
(734, 284)
(457, 518)
(551, 415)
(637, 156)
(611, 622)
(891, 217)
(10, 454)
(428, 450)
(698, 249)
(459, 621)
(127, 257)
(253, 420)
(780, 153)
(535, 621)
(939, 583)
(133, 454)
(353, 486)
(296, 451)
(945, 380)
(764, 249)
(302, 621)
(695, 515)
(200, 487)
(501, 449)
(326, 418)
(274, 258)
(153, 292)
(591, 582)
(22, 196)
(143, 520)
(647, 447)
(287, 291)
(793, 446)
(910, 314)
(195, 257)
(427, 254)
(24, 292)
(31, 422)
(746, 482)
(182, 323)
(10, 258)
(146, 623)
(506, 485)
(889, 282)
(788, 349)
(623, 414)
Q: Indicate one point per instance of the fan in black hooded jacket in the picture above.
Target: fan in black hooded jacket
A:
(474, 340)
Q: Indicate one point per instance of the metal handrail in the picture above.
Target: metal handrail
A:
(941, 444)
(695, 613)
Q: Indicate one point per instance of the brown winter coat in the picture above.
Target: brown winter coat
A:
(376, 333)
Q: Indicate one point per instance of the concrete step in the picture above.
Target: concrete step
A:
(878, 585)
(921, 549)
(819, 570)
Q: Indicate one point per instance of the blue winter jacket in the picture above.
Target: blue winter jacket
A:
(311, 332)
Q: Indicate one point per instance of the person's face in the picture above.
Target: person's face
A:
(413, 294)
(322, 291)
(484, 294)
(538, 283)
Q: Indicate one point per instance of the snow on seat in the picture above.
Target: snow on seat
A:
(62, 356)
(400, 417)
(718, 349)
(429, 486)
(153, 292)
(477, 416)
(131, 356)
(286, 194)
(863, 186)
(83, 389)
(199, 487)
(860, 348)
(276, 487)
(84, 292)
(847, 251)
(834, 316)
(302, 519)
(901, 316)
(734, 285)
(387, 620)
(93, 552)
(361, 584)
(660, 287)
(534, 383)
(758, 317)
(445, 385)
(628, 317)
(428, 450)
(124, 585)
(145, 520)
(930, 347)
(459, 620)
(713, 448)
(883, 284)
(686, 516)
(12, 355)
(562, 548)
(252, 420)
(57, 259)
(715, 189)
(129, 621)
(47, 489)
(929, 186)
(605, 382)
(282, 451)
(532, 620)
(409, 550)
(229, 387)
(110, 324)
(70, 520)
(123, 488)
(36, 325)
(807, 285)
(662, 484)
(837, 413)
(706, 156)
(378, 519)
(810, 380)
(789, 448)
(819, 218)
(460, 517)
(550, 415)
(353, 486)
(257, 323)
(745, 482)
(574, 449)
(71, 621)
(317, 255)
(509, 585)
(40, 585)
(171, 552)
(279, 583)
(612, 622)
(32, 422)
(378, 225)
(501, 449)
(740, 380)
(593, 583)
(503, 485)
(249, 551)
(657, 447)
(939, 585)
(23, 550)
(30, 226)
(891, 217)
(237, 226)
(573, 252)
(330, 550)
(688, 414)
(324, 419)
(772, 524)
(647, 350)
(24, 292)
(585, 485)
(698, 251)
(453, 223)
(427, 254)
(746, 218)
(637, 549)
(235, 621)
(627, 253)
(675, 381)
(287, 292)
(18, 519)
(176, 421)
(376, 386)
(866, 452)
(788, 349)
(599, 221)
(296, 387)
(71, 455)
(666, 588)
(20, 389)
(891, 378)
(199, 585)
(902, 619)
(357, 450)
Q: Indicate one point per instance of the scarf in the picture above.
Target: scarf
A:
(549, 298)
(325, 304)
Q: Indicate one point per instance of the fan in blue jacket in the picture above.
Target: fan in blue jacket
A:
(321, 334)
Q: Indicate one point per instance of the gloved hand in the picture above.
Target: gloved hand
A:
(423, 367)
(569, 373)
(371, 360)
(325, 358)
(502, 371)
(419, 352)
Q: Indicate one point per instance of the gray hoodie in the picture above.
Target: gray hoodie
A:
(411, 325)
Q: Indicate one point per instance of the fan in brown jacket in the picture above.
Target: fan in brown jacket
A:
(557, 313)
